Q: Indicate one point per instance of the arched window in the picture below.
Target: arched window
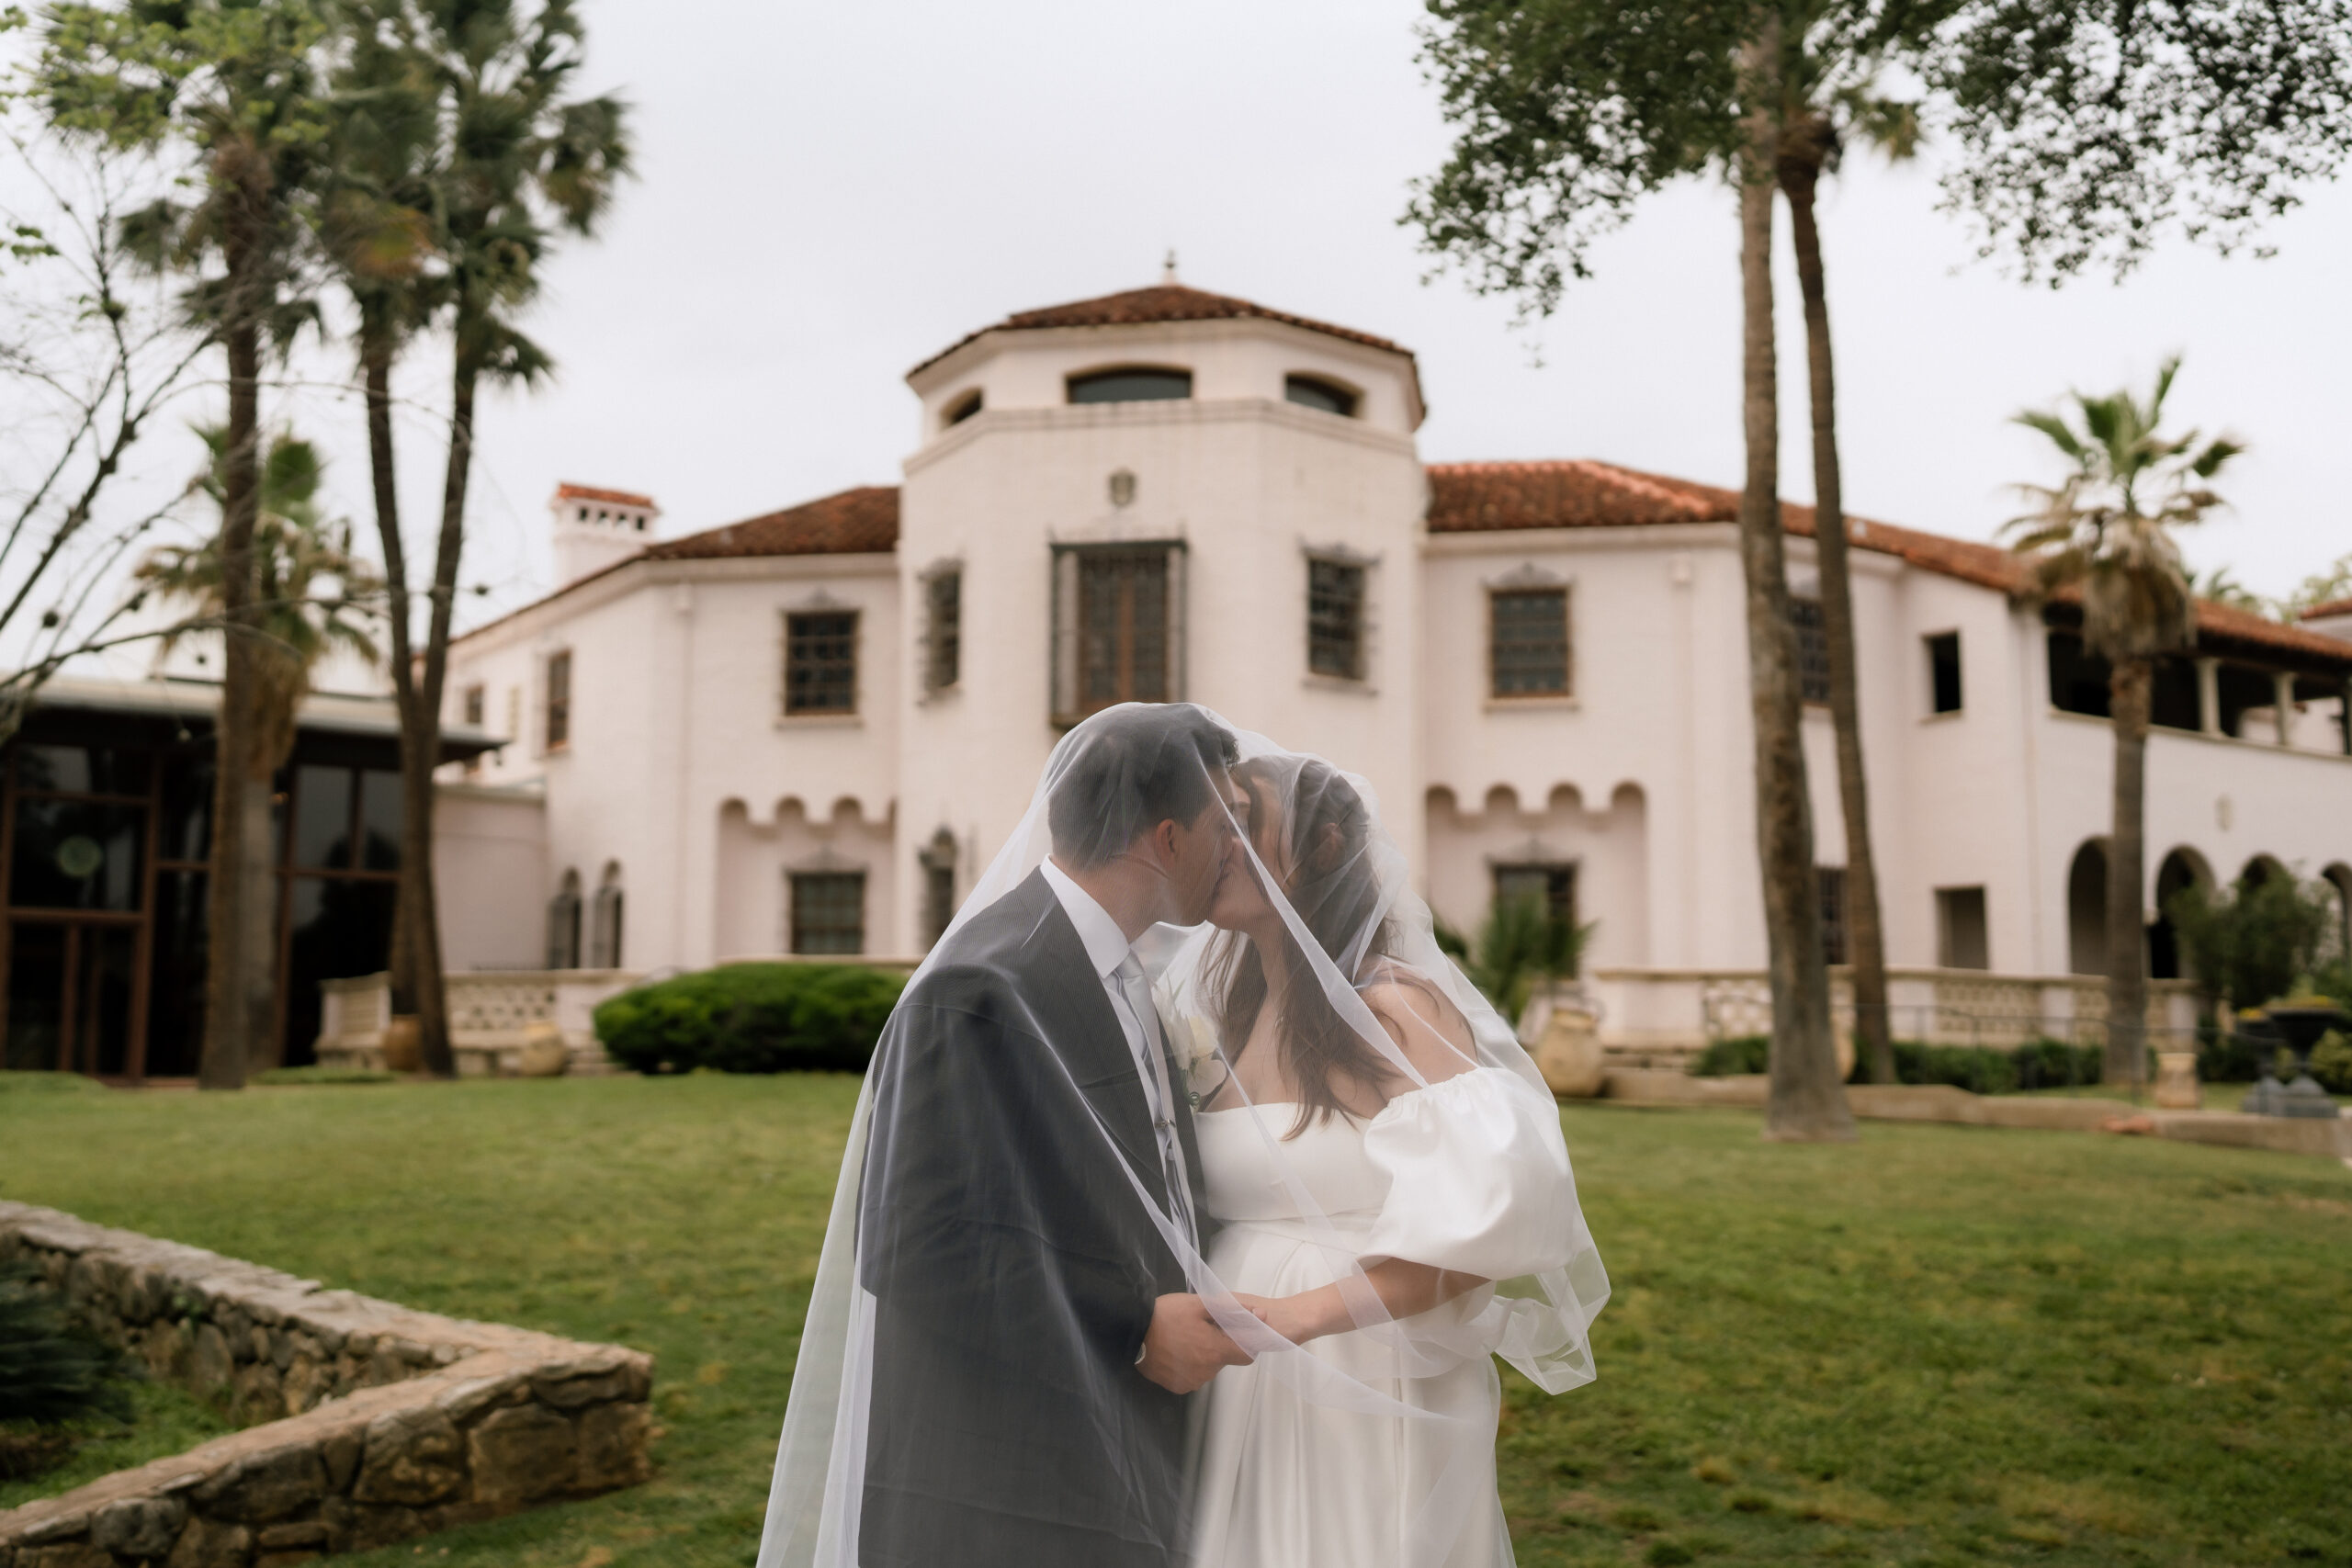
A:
(2340, 877)
(2180, 871)
(962, 409)
(938, 885)
(2086, 909)
(605, 921)
(1314, 393)
(564, 924)
(1132, 384)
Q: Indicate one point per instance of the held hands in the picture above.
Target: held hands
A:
(1184, 1347)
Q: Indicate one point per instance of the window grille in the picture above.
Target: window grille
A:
(1139, 385)
(829, 911)
(1833, 913)
(821, 662)
(1118, 628)
(1529, 652)
(1813, 648)
(564, 924)
(944, 658)
(938, 886)
(605, 928)
(1335, 594)
(558, 700)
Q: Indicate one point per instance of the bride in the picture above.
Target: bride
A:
(1188, 1205)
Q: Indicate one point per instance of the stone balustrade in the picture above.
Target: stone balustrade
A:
(1660, 1017)
(489, 1012)
(381, 1423)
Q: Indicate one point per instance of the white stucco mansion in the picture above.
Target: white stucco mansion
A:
(807, 731)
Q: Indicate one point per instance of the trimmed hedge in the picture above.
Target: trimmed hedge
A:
(2038, 1063)
(753, 1017)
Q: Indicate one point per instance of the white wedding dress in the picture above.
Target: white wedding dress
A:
(1463, 1175)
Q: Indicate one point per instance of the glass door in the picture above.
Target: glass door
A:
(70, 995)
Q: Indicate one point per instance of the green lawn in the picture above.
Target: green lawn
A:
(1940, 1346)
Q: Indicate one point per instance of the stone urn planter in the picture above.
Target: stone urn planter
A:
(2177, 1085)
(545, 1055)
(404, 1048)
(1567, 1051)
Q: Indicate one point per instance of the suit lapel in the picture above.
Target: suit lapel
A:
(1084, 1031)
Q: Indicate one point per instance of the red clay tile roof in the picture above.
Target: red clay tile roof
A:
(855, 521)
(1162, 302)
(1479, 497)
(611, 497)
(2322, 612)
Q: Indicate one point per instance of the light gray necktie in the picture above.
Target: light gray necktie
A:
(1157, 1092)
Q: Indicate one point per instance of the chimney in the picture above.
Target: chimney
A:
(595, 529)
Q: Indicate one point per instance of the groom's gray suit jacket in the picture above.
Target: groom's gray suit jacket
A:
(1014, 1268)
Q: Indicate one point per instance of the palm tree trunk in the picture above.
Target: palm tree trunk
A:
(1800, 169)
(2129, 691)
(421, 733)
(1806, 1101)
(234, 948)
(377, 350)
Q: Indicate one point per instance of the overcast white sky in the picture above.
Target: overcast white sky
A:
(829, 194)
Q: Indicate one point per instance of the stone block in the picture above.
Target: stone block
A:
(412, 1457)
(305, 1384)
(340, 1453)
(165, 1351)
(257, 1391)
(209, 1543)
(212, 1365)
(576, 1391)
(139, 1527)
(613, 1443)
(267, 1487)
(294, 1534)
(523, 1454)
(72, 1554)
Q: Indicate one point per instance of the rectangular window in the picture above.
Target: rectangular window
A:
(821, 662)
(1118, 634)
(944, 654)
(472, 709)
(1813, 648)
(1335, 618)
(829, 911)
(558, 700)
(1962, 941)
(1556, 884)
(1528, 646)
(1943, 672)
(1833, 913)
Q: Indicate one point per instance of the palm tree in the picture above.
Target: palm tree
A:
(520, 161)
(234, 84)
(1819, 118)
(380, 222)
(313, 595)
(2104, 537)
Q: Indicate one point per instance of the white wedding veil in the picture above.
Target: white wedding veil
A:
(1022, 1178)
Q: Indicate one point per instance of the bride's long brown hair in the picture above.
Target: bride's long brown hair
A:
(1334, 889)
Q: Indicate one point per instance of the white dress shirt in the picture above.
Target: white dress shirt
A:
(1112, 958)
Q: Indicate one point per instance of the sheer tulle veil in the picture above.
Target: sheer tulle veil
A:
(1390, 1019)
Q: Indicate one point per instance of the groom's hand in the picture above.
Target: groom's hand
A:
(1184, 1347)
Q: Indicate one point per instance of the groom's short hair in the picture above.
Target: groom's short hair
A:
(1138, 767)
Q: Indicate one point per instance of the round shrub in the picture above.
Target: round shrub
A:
(2331, 1062)
(753, 1017)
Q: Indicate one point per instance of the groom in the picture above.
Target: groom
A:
(1033, 1333)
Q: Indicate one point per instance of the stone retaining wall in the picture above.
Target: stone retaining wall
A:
(382, 1423)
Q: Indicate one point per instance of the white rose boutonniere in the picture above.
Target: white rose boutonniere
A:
(1191, 1041)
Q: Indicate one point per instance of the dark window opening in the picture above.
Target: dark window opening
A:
(1312, 392)
(943, 664)
(1335, 593)
(1813, 648)
(962, 409)
(1943, 672)
(2077, 677)
(821, 662)
(829, 911)
(558, 700)
(1832, 881)
(605, 925)
(1131, 386)
(2239, 689)
(564, 924)
(1554, 885)
(1528, 651)
(1962, 939)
